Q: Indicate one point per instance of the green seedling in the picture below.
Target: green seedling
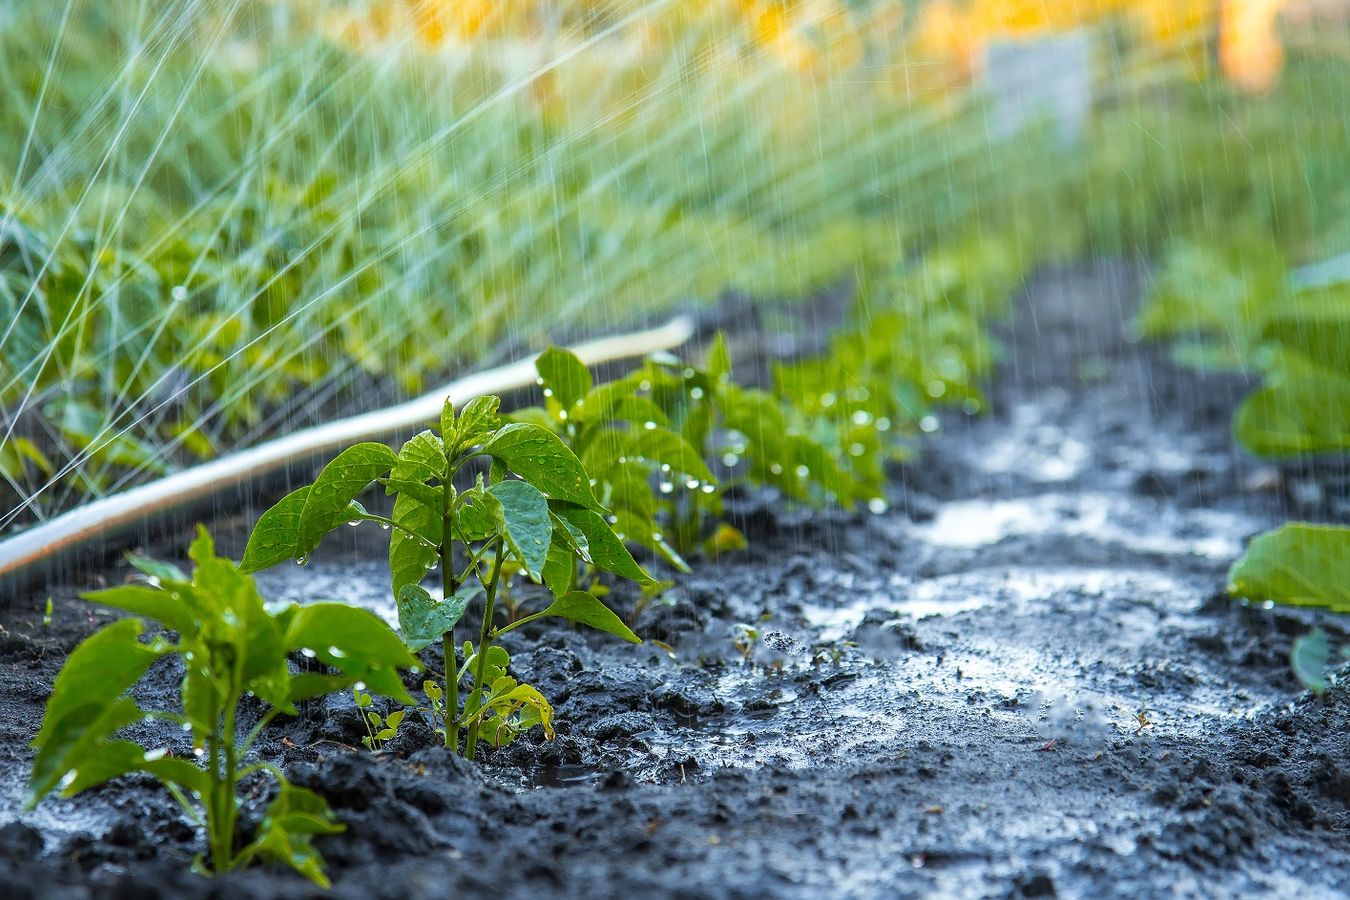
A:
(531, 506)
(230, 647)
(652, 438)
(745, 638)
(378, 728)
(47, 614)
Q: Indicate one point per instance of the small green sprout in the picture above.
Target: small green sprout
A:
(745, 637)
(47, 614)
(378, 728)
(231, 647)
(530, 509)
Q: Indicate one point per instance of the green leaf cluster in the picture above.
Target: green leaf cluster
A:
(230, 647)
(655, 440)
(1236, 307)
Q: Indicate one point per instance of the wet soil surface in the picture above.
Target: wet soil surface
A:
(1020, 680)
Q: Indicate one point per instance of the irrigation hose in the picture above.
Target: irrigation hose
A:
(107, 516)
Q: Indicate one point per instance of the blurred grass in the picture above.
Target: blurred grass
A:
(223, 219)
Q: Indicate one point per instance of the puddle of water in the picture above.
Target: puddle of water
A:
(1032, 448)
(949, 595)
(1139, 524)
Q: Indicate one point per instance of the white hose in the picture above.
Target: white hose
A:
(107, 515)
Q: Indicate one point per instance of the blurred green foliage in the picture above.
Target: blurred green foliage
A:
(242, 224)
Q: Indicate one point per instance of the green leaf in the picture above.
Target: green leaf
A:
(424, 620)
(606, 550)
(350, 472)
(287, 829)
(1316, 325)
(663, 446)
(104, 665)
(719, 360)
(1296, 415)
(573, 539)
(239, 617)
(421, 459)
(477, 420)
(160, 571)
(538, 456)
(355, 642)
(448, 426)
(1311, 657)
(559, 566)
(564, 376)
(582, 607)
(479, 516)
(410, 559)
(74, 740)
(116, 758)
(307, 685)
(275, 537)
(1298, 564)
(169, 608)
(535, 415)
(528, 528)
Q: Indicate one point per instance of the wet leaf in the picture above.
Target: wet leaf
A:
(538, 456)
(425, 620)
(584, 608)
(355, 642)
(1296, 415)
(564, 375)
(1311, 658)
(410, 559)
(605, 549)
(337, 485)
(527, 526)
(286, 832)
(477, 421)
(1297, 564)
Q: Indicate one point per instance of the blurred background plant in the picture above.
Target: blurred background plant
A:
(222, 219)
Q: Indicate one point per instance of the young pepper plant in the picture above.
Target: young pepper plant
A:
(652, 438)
(230, 647)
(626, 443)
(533, 507)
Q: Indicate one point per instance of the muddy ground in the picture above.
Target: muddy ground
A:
(1021, 680)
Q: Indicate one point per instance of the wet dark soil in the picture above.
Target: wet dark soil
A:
(1020, 680)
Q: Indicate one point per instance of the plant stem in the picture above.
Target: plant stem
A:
(215, 813)
(448, 588)
(484, 642)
